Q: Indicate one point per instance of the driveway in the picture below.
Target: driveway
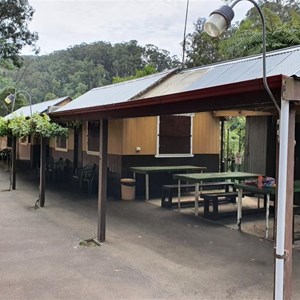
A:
(150, 252)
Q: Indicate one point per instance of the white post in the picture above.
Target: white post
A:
(282, 186)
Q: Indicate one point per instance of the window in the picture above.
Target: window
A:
(25, 140)
(9, 141)
(174, 135)
(61, 143)
(93, 132)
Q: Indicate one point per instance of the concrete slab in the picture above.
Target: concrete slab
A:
(150, 253)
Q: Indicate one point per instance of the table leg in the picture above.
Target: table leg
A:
(239, 209)
(179, 195)
(147, 186)
(196, 199)
(267, 215)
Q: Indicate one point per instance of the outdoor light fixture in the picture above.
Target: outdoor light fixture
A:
(220, 20)
(12, 99)
(9, 99)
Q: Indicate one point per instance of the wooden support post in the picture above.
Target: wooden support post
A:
(222, 162)
(13, 163)
(289, 207)
(290, 93)
(102, 190)
(42, 172)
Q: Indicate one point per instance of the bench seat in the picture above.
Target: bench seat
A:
(171, 190)
(216, 199)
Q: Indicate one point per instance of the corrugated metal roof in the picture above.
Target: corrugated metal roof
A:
(176, 84)
(36, 108)
(115, 93)
(280, 62)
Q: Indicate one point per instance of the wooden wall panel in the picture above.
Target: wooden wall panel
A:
(3, 142)
(115, 138)
(84, 136)
(206, 134)
(140, 132)
(71, 140)
(23, 152)
(256, 144)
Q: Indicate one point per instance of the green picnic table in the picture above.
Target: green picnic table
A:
(265, 191)
(198, 178)
(147, 170)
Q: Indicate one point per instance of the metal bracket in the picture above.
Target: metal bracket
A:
(290, 89)
(284, 256)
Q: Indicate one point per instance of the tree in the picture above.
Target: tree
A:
(14, 33)
(158, 58)
(245, 38)
(83, 67)
(147, 70)
(201, 49)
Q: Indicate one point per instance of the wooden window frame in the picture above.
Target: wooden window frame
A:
(25, 140)
(190, 154)
(91, 152)
(57, 148)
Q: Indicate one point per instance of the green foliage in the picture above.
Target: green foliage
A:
(42, 126)
(245, 38)
(4, 131)
(19, 126)
(201, 49)
(50, 96)
(236, 127)
(80, 68)
(39, 125)
(19, 102)
(147, 70)
(14, 32)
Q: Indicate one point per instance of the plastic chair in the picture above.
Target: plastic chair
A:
(88, 177)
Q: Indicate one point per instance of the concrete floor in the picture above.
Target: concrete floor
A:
(150, 252)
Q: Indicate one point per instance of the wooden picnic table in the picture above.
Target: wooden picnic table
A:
(265, 191)
(198, 178)
(147, 170)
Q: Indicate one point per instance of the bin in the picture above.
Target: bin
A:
(128, 189)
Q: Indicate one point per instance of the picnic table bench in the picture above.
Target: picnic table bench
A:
(147, 170)
(199, 178)
(171, 190)
(218, 198)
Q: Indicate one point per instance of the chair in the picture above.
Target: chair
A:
(88, 177)
(49, 168)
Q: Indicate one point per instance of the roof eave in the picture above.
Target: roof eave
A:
(241, 95)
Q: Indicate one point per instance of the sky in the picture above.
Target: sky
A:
(65, 23)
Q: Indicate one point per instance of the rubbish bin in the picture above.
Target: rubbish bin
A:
(128, 189)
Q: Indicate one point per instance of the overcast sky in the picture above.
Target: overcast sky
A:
(65, 23)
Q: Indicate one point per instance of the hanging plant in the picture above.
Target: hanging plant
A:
(73, 124)
(4, 131)
(42, 126)
(20, 126)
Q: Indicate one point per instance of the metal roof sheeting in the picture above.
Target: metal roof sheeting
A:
(115, 93)
(281, 62)
(36, 108)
